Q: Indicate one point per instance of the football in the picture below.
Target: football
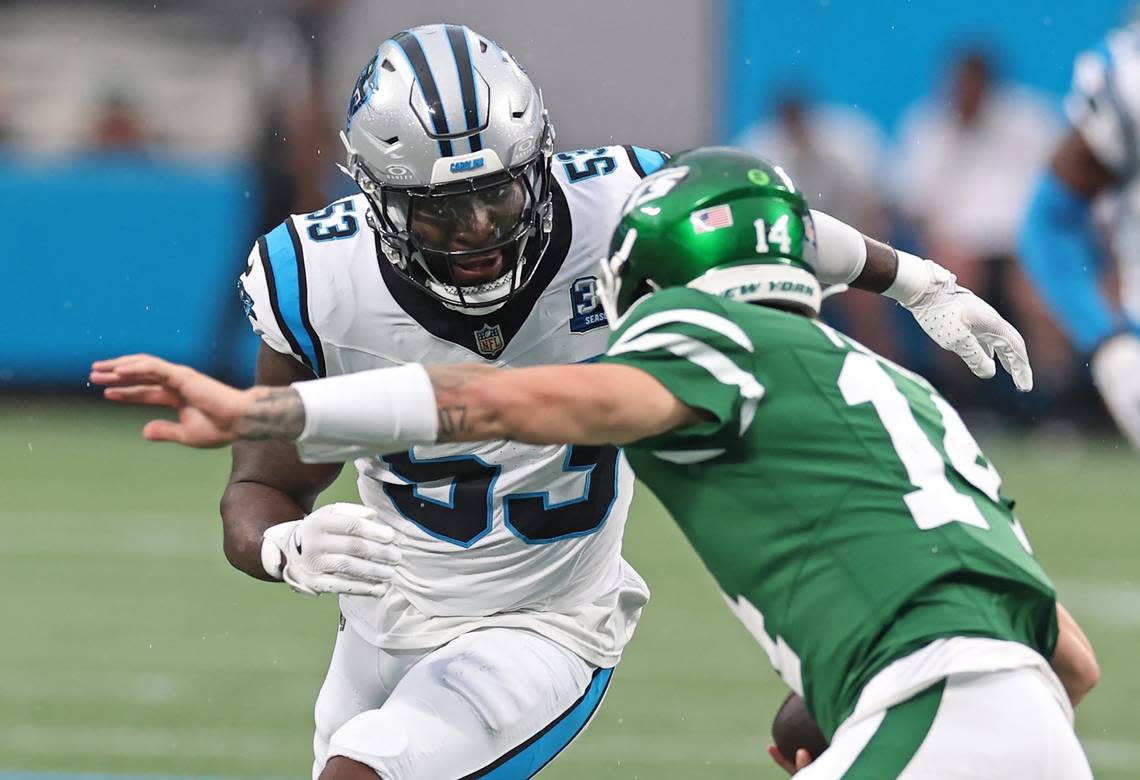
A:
(794, 728)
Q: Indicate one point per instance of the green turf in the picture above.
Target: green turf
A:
(130, 645)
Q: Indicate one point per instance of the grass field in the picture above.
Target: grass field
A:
(130, 647)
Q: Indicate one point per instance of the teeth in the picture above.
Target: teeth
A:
(477, 263)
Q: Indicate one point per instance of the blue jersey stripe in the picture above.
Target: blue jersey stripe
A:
(649, 159)
(541, 750)
(284, 261)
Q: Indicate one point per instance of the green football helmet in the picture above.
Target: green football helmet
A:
(719, 220)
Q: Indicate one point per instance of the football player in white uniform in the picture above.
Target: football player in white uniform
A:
(484, 598)
(1060, 245)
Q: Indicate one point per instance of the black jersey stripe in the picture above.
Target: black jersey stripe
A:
(415, 54)
(303, 291)
(466, 70)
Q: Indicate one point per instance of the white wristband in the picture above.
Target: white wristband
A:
(368, 413)
(912, 280)
(841, 250)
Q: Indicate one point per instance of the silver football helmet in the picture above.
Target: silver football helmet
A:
(447, 137)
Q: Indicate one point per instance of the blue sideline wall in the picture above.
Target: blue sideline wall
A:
(105, 256)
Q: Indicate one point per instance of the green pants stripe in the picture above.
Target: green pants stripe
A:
(898, 737)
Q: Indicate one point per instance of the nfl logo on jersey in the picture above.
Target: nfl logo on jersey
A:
(489, 340)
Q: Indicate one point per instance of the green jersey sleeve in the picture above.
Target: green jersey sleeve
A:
(684, 339)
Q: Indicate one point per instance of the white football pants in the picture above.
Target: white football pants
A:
(494, 703)
(1005, 725)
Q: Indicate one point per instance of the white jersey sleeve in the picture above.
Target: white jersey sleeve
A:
(274, 288)
(1104, 102)
(253, 288)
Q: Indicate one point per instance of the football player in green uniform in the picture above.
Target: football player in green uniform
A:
(845, 511)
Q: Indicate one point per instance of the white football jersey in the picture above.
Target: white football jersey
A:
(1104, 107)
(495, 534)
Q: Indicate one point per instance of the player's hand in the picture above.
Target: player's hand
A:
(207, 409)
(803, 758)
(961, 322)
(1115, 370)
(339, 548)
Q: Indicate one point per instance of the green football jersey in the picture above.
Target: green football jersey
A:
(839, 501)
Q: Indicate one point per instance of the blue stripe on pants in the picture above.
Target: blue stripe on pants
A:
(528, 759)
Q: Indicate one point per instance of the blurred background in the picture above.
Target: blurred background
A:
(145, 144)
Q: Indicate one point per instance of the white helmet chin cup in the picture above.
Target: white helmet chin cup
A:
(439, 111)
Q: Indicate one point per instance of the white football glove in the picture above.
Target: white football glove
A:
(339, 548)
(961, 322)
(1115, 370)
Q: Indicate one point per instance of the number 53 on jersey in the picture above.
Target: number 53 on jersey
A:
(454, 498)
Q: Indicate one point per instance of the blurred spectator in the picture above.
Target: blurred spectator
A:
(967, 159)
(296, 146)
(964, 169)
(832, 152)
(835, 154)
(118, 126)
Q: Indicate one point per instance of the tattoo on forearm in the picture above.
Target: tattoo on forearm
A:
(276, 414)
(452, 422)
(457, 417)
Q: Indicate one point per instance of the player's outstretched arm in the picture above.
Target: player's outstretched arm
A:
(1074, 660)
(389, 409)
(952, 316)
(580, 404)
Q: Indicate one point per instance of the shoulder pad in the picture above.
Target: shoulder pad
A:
(645, 161)
(274, 293)
(580, 165)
